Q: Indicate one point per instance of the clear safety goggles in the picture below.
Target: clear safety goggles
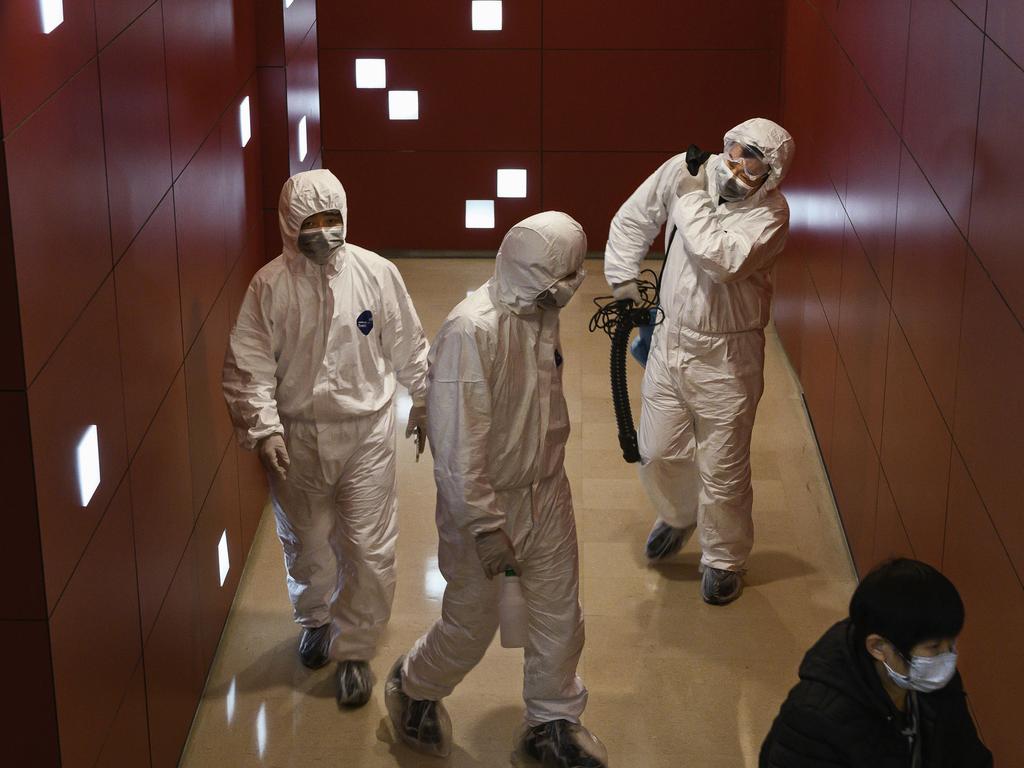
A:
(742, 159)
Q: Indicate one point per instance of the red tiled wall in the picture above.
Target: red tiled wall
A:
(130, 223)
(910, 343)
(588, 97)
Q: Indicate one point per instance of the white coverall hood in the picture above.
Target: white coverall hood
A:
(771, 140)
(535, 254)
(303, 195)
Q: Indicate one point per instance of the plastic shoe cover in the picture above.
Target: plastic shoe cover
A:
(664, 540)
(355, 683)
(719, 587)
(423, 725)
(559, 744)
(314, 645)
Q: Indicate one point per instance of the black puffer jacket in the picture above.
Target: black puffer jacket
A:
(839, 716)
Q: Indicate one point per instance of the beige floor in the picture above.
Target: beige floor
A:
(672, 681)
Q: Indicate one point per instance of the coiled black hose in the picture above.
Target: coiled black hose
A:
(618, 319)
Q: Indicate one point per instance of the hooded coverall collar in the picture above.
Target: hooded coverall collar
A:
(303, 195)
(534, 255)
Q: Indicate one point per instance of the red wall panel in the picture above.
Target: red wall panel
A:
(990, 406)
(608, 177)
(209, 427)
(943, 71)
(275, 134)
(818, 363)
(149, 320)
(303, 97)
(32, 64)
(127, 744)
(891, 539)
(220, 516)
(12, 374)
(468, 100)
(375, 196)
(825, 251)
(415, 24)
(161, 501)
(666, 24)
(928, 282)
(873, 182)
(976, 561)
(22, 596)
(853, 469)
(29, 730)
(874, 34)
(915, 451)
(199, 208)
(619, 100)
(96, 645)
(113, 16)
(174, 668)
(195, 32)
(252, 494)
(80, 386)
(1005, 25)
(135, 132)
(997, 227)
(68, 261)
(863, 334)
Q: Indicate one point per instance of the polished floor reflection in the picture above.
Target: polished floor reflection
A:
(672, 681)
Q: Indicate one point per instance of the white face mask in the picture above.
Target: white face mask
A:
(927, 673)
(733, 188)
(318, 245)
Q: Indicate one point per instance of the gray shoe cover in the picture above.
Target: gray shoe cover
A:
(423, 725)
(314, 645)
(355, 683)
(559, 744)
(719, 587)
(664, 540)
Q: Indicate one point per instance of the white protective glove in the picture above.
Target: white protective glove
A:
(688, 183)
(418, 427)
(627, 291)
(494, 548)
(274, 455)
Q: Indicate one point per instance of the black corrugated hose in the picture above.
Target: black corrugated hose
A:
(618, 319)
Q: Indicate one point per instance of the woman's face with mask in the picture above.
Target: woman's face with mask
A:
(321, 235)
(930, 666)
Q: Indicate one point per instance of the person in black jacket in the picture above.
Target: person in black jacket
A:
(880, 689)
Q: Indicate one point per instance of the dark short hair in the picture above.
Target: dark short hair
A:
(907, 602)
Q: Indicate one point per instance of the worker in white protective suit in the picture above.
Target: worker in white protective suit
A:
(705, 374)
(323, 333)
(498, 427)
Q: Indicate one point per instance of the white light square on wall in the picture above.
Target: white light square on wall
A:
(288, 3)
(303, 140)
(404, 105)
(245, 121)
(479, 214)
(371, 73)
(222, 557)
(88, 461)
(486, 15)
(53, 14)
(511, 182)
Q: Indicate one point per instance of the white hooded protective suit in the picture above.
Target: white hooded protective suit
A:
(705, 373)
(498, 425)
(314, 356)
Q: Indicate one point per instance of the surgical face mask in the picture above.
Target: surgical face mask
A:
(561, 293)
(732, 186)
(926, 673)
(318, 245)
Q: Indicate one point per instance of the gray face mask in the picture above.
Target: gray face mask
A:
(318, 245)
(732, 188)
(927, 673)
